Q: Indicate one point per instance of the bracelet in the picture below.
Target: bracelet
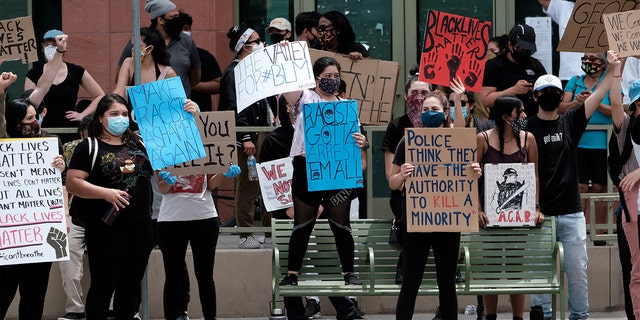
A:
(63, 51)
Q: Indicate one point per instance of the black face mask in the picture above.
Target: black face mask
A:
(173, 27)
(276, 38)
(521, 56)
(549, 101)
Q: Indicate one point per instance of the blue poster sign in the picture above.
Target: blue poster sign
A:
(333, 158)
(170, 133)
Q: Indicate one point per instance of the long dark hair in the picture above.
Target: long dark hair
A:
(341, 23)
(96, 129)
(14, 114)
(504, 106)
(151, 37)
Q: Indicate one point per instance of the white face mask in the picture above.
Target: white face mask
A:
(49, 52)
(257, 47)
(187, 33)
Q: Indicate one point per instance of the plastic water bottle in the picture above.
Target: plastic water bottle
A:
(252, 170)
(470, 309)
(110, 216)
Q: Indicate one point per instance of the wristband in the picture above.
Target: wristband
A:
(63, 51)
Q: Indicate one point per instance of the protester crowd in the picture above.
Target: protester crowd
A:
(523, 114)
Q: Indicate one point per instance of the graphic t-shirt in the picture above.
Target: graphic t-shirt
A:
(189, 199)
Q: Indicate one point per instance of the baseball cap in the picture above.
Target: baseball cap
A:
(525, 35)
(546, 81)
(52, 34)
(634, 94)
(280, 24)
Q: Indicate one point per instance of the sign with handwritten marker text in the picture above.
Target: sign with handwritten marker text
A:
(170, 133)
(454, 46)
(17, 40)
(510, 194)
(442, 191)
(585, 30)
(371, 82)
(622, 32)
(275, 183)
(218, 132)
(33, 226)
(276, 69)
(333, 158)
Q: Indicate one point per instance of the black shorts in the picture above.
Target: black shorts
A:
(592, 166)
(300, 188)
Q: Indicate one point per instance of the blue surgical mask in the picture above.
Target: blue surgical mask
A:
(118, 125)
(432, 119)
(187, 33)
(453, 113)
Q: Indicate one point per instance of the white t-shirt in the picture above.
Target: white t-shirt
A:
(297, 146)
(188, 200)
(560, 12)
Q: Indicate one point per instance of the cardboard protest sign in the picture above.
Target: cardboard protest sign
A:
(33, 226)
(510, 194)
(275, 183)
(276, 69)
(333, 158)
(442, 191)
(17, 40)
(218, 132)
(585, 30)
(169, 132)
(622, 32)
(369, 81)
(454, 46)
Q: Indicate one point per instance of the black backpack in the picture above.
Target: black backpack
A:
(617, 159)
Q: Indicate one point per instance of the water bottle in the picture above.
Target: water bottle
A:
(277, 314)
(111, 214)
(252, 170)
(470, 309)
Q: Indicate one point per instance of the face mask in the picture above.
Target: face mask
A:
(49, 52)
(549, 101)
(414, 109)
(117, 125)
(325, 37)
(314, 43)
(143, 52)
(432, 119)
(187, 33)
(518, 125)
(521, 56)
(40, 119)
(29, 130)
(257, 47)
(453, 113)
(276, 38)
(173, 27)
(590, 67)
(329, 85)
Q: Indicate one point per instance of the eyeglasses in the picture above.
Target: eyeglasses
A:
(254, 41)
(325, 27)
(590, 59)
(462, 103)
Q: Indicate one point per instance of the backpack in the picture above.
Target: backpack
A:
(78, 205)
(617, 159)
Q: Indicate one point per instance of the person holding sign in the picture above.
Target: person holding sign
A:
(557, 137)
(335, 34)
(507, 143)
(243, 41)
(514, 72)
(31, 279)
(416, 246)
(111, 170)
(336, 203)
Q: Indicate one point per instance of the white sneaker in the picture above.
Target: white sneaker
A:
(249, 243)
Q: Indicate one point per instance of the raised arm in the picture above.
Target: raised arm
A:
(49, 72)
(458, 89)
(615, 98)
(594, 100)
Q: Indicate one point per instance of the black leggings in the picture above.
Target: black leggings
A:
(32, 280)
(416, 246)
(336, 205)
(174, 236)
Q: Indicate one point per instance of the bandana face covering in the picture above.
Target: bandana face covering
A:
(29, 130)
(414, 109)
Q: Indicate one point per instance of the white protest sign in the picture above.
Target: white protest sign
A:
(275, 183)
(510, 194)
(273, 70)
(33, 226)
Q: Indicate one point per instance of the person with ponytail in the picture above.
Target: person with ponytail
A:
(508, 142)
(416, 246)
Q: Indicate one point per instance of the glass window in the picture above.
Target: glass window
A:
(370, 20)
(257, 14)
(479, 9)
